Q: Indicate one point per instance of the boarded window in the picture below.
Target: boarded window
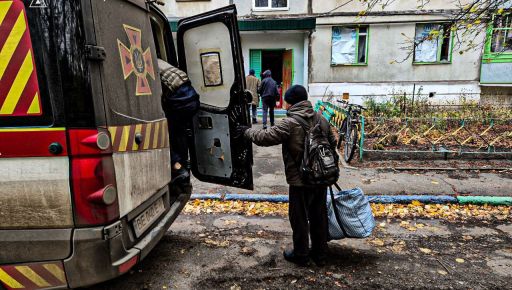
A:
(349, 45)
(432, 43)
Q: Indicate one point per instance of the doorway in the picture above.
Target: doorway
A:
(278, 61)
(273, 60)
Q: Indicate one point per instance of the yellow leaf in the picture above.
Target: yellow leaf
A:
(377, 242)
(416, 203)
(459, 260)
(442, 272)
(425, 250)
(434, 182)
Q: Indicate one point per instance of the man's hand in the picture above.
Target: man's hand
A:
(240, 131)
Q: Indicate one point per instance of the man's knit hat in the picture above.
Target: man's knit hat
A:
(296, 94)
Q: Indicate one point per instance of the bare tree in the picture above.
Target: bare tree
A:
(468, 20)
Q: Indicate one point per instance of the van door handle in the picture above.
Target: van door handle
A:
(55, 148)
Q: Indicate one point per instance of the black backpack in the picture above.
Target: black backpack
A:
(319, 164)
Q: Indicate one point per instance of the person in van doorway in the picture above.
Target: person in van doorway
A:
(307, 204)
(269, 94)
(180, 103)
(253, 84)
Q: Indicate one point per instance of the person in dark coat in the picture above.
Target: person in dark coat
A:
(307, 206)
(180, 102)
(269, 93)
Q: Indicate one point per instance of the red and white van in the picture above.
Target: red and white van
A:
(85, 171)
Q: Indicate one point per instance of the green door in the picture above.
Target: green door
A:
(255, 61)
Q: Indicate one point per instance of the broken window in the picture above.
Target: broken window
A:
(349, 45)
(502, 34)
(433, 43)
(270, 4)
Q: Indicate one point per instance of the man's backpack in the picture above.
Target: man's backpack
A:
(319, 164)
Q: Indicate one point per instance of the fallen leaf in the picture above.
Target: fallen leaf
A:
(434, 182)
(248, 251)
(442, 272)
(221, 244)
(459, 260)
(416, 203)
(425, 250)
(377, 242)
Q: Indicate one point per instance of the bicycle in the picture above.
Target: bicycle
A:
(349, 130)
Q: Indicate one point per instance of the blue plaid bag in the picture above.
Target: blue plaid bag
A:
(350, 215)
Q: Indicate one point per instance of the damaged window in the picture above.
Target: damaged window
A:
(433, 43)
(501, 41)
(349, 45)
(212, 71)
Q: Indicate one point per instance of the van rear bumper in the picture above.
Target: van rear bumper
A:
(97, 258)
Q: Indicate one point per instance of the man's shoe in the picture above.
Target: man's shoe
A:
(182, 176)
(290, 256)
(264, 127)
(254, 121)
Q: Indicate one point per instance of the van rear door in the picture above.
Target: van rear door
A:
(209, 50)
(35, 196)
(132, 97)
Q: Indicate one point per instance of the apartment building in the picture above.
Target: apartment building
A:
(274, 34)
(329, 47)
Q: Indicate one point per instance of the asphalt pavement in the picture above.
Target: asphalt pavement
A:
(379, 178)
(237, 252)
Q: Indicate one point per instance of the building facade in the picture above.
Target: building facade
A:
(274, 34)
(332, 49)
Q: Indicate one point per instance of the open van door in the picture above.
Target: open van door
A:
(209, 50)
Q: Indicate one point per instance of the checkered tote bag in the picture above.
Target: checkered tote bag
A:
(349, 214)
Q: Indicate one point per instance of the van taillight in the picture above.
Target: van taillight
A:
(93, 177)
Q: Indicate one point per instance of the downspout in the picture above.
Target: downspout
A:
(310, 50)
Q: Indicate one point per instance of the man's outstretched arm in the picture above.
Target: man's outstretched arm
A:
(269, 137)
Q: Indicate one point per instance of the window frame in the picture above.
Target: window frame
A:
(439, 47)
(357, 27)
(269, 7)
(495, 57)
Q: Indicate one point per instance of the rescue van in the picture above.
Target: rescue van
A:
(85, 190)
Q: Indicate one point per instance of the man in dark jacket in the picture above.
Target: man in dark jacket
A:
(269, 93)
(307, 203)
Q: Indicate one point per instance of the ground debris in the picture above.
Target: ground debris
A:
(449, 212)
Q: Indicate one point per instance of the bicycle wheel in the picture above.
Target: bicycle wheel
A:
(341, 134)
(351, 139)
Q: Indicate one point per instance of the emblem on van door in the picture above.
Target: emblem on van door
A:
(135, 60)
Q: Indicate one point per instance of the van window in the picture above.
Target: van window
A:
(162, 36)
(24, 96)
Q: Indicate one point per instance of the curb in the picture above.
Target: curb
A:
(380, 199)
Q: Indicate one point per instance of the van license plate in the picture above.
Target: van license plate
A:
(148, 217)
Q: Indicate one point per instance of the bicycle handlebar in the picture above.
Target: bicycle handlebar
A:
(352, 105)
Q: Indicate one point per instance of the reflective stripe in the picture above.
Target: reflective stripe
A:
(9, 281)
(32, 276)
(56, 271)
(18, 86)
(4, 8)
(12, 43)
